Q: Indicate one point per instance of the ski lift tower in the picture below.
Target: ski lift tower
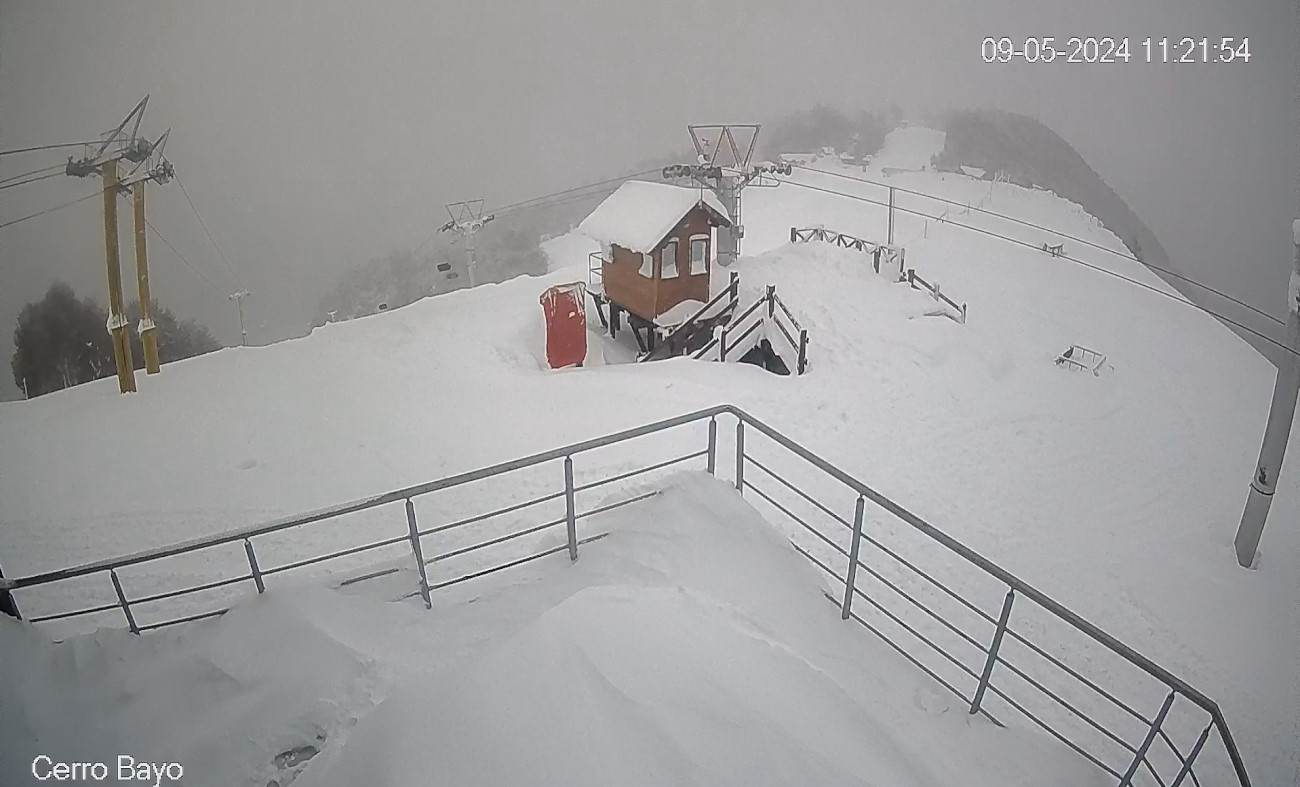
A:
(101, 158)
(723, 153)
(158, 169)
(467, 218)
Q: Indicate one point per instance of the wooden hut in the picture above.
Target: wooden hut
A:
(657, 249)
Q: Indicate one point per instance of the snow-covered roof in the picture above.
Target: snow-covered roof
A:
(640, 214)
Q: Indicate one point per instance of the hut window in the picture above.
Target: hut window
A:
(668, 260)
(647, 266)
(699, 254)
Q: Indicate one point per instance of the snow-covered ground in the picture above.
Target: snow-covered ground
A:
(1118, 495)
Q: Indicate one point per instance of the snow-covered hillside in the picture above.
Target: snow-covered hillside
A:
(1118, 495)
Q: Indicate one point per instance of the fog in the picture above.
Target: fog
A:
(315, 135)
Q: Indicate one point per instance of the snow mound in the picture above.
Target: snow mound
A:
(640, 214)
(696, 649)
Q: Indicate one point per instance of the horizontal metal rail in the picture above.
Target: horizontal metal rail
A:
(330, 512)
(866, 492)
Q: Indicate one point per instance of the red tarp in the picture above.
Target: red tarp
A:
(566, 324)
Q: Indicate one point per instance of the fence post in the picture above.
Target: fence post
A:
(121, 599)
(793, 234)
(1141, 753)
(8, 605)
(570, 520)
(740, 455)
(722, 344)
(875, 260)
(771, 300)
(851, 577)
(734, 286)
(963, 314)
(713, 443)
(252, 564)
(414, 531)
(803, 351)
(993, 651)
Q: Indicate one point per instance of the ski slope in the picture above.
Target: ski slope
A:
(1118, 495)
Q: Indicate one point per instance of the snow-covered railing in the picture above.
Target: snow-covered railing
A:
(682, 333)
(733, 335)
(916, 281)
(1048, 648)
(881, 253)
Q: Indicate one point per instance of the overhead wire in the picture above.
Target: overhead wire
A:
(1051, 231)
(12, 151)
(1176, 297)
(548, 200)
(204, 225)
(59, 167)
(183, 259)
(16, 183)
(51, 209)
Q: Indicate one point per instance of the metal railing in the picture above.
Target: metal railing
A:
(1057, 695)
(735, 332)
(881, 253)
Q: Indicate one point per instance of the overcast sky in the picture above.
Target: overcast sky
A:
(313, 135)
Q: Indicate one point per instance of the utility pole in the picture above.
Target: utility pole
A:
(723, 167)
(238, 297)
(467, 218)
(161, 171)
(1281, 416)
(102, 158)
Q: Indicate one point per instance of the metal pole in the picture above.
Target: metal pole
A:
(993, 651)
(729, 237)
(238, 298)
(25, 394)
(1191, 756)
(8, 605)
(713, 443)
(116, 312)
(570, 520)
(413, 532)
(252, 564)
(891, 216)
(121, 598)
(803, 351)
(771, 300)
(740, 455)
(148, 331)
(851, 579)
(1141, 753)
(1281, 415)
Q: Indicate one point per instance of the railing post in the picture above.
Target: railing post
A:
(771, 300)
(8, 605)
(413, 531)
(252, 564)
(963, 314)
(722, 345)
(713, 443)
(121, 599)
(803, 351)
(570, 520)
(1141, 753)
(740, 455)
(875, 260)
(993, 651)
(851, 577)
(1191, 756)
(734, 286)
(793, 234)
